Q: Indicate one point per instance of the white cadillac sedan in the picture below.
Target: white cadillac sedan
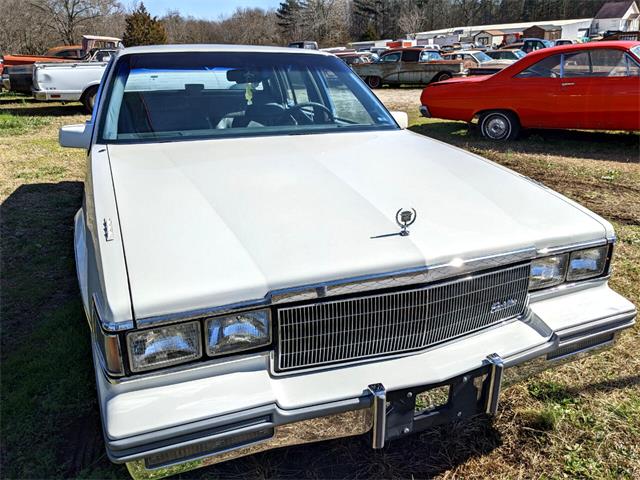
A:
(267, 257)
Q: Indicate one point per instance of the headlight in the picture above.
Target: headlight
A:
(548, 271)
(237, 332)
(587, 263)
(164, 346)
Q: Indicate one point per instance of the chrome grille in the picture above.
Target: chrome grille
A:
(367, 326)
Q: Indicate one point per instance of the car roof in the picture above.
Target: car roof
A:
(214, 48)
(620, 44)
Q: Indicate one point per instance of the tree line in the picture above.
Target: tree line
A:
(32, 26)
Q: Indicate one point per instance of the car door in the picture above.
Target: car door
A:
(533, 93)
(574, 102)
(410, 70)
(390, 66)
(612, 99)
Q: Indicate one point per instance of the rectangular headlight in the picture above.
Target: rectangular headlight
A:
(237, 332)
(548, 271)
(164, 346)
(587, 263)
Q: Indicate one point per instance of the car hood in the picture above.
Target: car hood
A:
(215, 222)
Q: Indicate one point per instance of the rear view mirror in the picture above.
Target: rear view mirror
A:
(401, 118)
(76, 136)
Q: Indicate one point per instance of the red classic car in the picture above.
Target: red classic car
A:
(593, 86)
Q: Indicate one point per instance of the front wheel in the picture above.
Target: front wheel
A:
(374, 82)
(499, 126)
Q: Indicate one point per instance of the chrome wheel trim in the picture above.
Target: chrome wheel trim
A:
(497, 127)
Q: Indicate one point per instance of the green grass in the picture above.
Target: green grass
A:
(15, 125)
(578, 421)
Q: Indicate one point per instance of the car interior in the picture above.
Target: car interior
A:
(206, 101)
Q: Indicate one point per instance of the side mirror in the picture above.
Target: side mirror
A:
(76, 136)
(401, 118)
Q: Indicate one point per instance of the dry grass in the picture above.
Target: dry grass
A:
(579, 421)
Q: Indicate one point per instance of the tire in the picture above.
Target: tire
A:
(442, 76)
(499, 126)
(374, 82)
(88, 98)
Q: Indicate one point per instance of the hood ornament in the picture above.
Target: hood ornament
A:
(404, 218)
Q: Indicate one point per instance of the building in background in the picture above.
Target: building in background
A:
(616, 16)
(575, 29)
(489, 38)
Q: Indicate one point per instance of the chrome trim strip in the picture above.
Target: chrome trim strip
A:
(110, 327)
(408, 276)
(565, 288)
(543, 252)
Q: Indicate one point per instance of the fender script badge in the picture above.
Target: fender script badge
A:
(404, 219)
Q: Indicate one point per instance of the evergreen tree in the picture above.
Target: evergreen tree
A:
(143, 29)
(290, 16)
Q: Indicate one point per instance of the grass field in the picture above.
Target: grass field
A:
(579, 421)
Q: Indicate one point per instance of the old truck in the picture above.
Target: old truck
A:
(70, 82)
(18, 69)
(416, 65)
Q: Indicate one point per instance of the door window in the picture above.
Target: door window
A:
(391, 57)
(576, 65)
(548, 67)
(410, 56)
(633, 69)
(608, 63)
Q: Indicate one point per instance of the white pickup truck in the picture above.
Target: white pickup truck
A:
(70, 82)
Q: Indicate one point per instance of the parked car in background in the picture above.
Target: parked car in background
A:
(306, 44)
(506, 54)
(561, 41)
(351, 57)
(70, 82)
(532, 44)
(592, 86)
(266, 257)
(408, 66)
(476, 62)
(18, 74)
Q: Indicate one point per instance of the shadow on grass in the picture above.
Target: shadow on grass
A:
(424, 455)
(43, 110)
(50, 421)
(611, 146)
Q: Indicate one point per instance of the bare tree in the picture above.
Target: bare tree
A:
(411, 17)
(66, 16)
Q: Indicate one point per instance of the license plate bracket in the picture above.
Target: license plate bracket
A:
(475, 392)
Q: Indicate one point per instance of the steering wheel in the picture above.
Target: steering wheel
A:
(314, 105)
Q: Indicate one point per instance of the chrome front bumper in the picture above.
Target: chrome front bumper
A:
(566, 335)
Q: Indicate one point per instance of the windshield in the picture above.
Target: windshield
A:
(430, 56)
(178, 96)
(636, 51)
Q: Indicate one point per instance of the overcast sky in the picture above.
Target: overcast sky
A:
(208, 9)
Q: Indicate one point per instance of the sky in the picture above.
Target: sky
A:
(206, 9)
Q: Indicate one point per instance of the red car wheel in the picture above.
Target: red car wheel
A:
(499, 126)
